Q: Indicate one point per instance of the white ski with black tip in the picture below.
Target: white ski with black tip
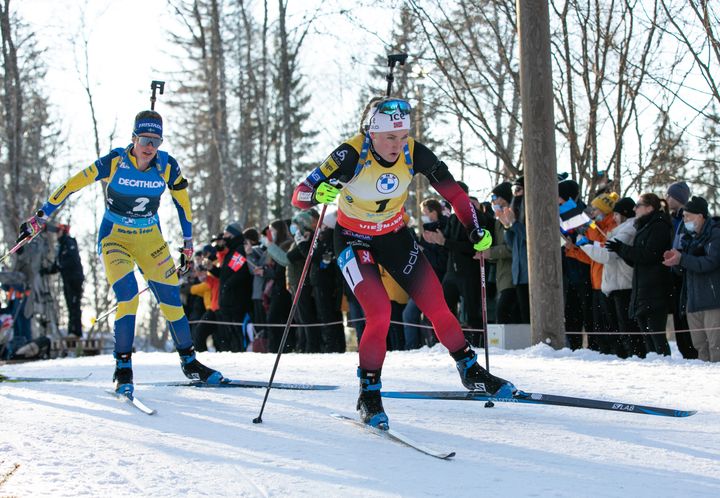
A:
(396, 436)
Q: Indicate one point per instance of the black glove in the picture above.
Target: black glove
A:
(31, 227)
(615, 246)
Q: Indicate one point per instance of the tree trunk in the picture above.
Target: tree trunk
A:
(545, 272)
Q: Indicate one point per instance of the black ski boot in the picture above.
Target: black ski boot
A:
(476, 378)
(195, 370)
(123, 376)
(369, 403)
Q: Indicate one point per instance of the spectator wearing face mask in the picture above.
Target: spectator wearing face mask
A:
(677, 196)
(302, 228)
(698, 261)
(506, 310)
(513, 219)
(462, 277)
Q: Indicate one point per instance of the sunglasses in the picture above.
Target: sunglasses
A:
(145, 141)
(392, 106)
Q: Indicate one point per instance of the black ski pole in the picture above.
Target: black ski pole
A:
(156, 85)
(483, 307)
(258, 419)
(483, 297)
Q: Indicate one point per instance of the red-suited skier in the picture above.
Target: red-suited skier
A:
(369, 174)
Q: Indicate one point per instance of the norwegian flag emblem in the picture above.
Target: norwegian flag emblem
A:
(237, 261)
(365, 257)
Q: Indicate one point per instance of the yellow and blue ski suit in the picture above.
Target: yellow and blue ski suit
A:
(130, 235)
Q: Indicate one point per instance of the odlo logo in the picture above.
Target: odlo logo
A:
(387, 183)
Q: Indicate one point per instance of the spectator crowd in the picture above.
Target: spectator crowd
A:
(627, 267)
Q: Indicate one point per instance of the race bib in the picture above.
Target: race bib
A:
(349, 267)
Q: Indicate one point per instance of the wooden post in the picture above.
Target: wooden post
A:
(540, 171)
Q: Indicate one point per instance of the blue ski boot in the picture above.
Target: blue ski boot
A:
(123, 376)
(195, 370)
(369, 403)
(476, 378)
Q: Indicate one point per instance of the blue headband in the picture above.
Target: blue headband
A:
(148, 125)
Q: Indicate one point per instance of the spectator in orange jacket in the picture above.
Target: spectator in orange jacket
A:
(596, 233)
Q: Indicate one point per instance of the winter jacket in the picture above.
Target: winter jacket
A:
(501, 254)
(516, 239)
(460, 249)
(596, 268)
(203, 290)
(257, 258)
(700, 265)
(652, 282)
(67, 261)
(616, 274)
(235, 278)
(436, 255)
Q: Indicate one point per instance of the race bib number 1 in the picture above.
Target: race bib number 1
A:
(349, 267)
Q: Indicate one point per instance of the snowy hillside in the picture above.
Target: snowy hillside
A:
(73, 439)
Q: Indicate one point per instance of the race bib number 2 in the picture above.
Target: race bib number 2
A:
(349, 267)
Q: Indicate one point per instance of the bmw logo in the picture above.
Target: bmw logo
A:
(387, 183)
(349, 199)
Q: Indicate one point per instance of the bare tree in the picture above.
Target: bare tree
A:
(472, 45)
(695, 24)
(29, 138)
(603, 56)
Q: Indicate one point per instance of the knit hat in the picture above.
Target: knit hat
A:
(568, 189)
(234, 228)
(504, 191)
(679, 191)
(697, 205)
(519, 182)
(605, 202)
(625, 207)
(304, 220)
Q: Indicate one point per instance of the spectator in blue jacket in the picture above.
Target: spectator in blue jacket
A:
(698, 261)
(513, 219)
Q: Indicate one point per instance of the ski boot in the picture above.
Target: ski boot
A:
(123, 376)
(195, 370)
(369, 403)
(476, 378)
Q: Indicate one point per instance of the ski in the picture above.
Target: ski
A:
(393, 435)
(542, 399)
(241, 383)
(132, 400)
(10, 378)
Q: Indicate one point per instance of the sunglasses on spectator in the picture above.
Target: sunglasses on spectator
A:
(145, 141)
(392, 106)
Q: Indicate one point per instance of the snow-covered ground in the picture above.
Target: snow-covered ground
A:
(73, 439)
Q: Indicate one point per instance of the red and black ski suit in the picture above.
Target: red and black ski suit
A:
(370, 231)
